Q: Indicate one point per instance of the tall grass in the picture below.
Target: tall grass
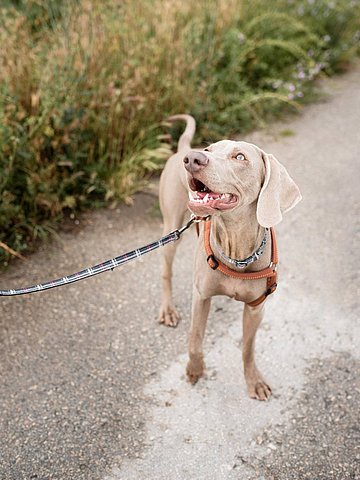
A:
(85, 86)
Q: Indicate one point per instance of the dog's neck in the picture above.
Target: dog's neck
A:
(238, 236)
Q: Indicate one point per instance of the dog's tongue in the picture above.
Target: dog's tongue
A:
(205, 201)
(210, 199)
(209, 194)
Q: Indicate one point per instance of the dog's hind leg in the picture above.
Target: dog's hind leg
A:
(173, 204)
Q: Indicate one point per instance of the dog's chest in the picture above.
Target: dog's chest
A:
(210, 283)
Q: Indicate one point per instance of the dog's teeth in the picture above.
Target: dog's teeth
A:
(194, 196)
(206, 198)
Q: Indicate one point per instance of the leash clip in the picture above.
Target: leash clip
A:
(193, 219)
(199, 219)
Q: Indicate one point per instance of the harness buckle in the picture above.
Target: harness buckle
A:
(270, 290)
(273, 266)
(214, 264)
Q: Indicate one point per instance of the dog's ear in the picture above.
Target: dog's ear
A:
(278, 194)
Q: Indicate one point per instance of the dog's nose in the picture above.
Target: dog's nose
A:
(195, 161)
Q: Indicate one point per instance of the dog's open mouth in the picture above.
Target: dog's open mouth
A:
(202, 198)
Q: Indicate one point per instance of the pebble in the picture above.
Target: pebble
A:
(331, 426)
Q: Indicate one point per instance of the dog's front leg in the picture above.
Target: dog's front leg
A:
(256, 385)
(168, 314)
(200, 312)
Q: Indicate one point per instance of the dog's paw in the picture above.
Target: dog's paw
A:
(258, 388)
(195, 369)
(169, 316)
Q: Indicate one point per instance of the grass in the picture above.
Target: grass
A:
(86, 85)
(287, 132)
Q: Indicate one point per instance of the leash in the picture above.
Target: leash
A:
(105, 266)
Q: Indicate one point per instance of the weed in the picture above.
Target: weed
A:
(85, 86)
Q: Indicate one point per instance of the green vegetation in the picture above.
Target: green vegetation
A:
(85, 86)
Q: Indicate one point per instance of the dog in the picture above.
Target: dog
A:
(245, 191)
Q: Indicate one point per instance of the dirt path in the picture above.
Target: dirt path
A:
(92, 388)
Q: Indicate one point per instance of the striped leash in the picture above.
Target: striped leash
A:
(105, 266)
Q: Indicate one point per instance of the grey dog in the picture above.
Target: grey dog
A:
(246, 191)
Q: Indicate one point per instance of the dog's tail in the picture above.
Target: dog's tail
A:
(189, 132)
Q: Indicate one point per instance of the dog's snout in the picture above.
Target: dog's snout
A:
(195, 161)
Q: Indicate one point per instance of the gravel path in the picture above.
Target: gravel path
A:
(92, 388)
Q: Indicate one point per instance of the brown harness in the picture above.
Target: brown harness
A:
(269, 273)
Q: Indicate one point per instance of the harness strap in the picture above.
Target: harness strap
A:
(269, 273)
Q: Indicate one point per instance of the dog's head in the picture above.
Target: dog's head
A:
(228, 175)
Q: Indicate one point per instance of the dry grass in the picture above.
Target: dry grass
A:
(85, 87)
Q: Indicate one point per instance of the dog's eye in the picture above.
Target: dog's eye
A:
(206, 150)
(240, 157)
